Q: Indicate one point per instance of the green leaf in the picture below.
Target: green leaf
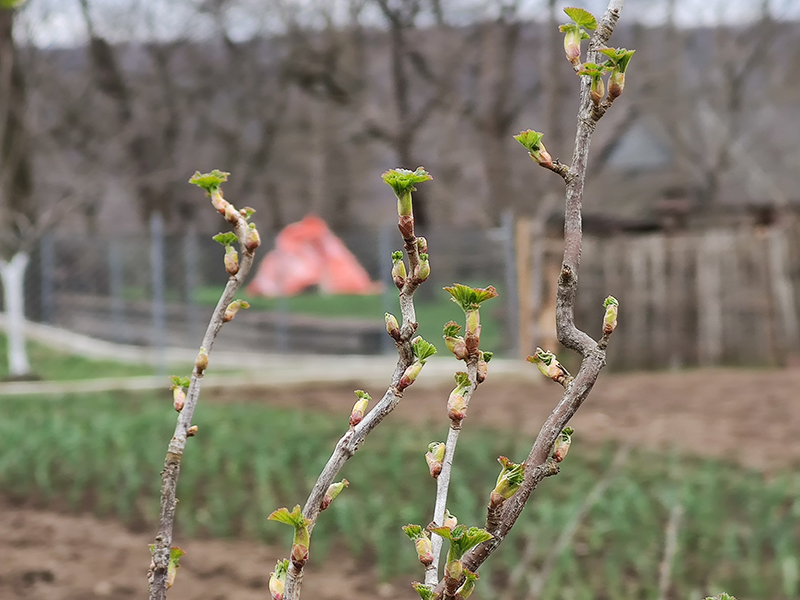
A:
(542, 357)
(620, 57)
(567, 431)
(294, 518)
(397, 256)
(248, 212)
(210, 182)
(470, 298)
(581, 17)
(462, 379)
(609, 301)
(440, 530)
(462, 539)
(413, 531)
(425, 592)
(487, 356)
(362, 395)
(530, 139)
(422, 349)
(402, 181)
(226, 239)
(180, 382)
(592, 70)
(451, 329)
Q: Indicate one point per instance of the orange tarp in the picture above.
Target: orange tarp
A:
(307, 253)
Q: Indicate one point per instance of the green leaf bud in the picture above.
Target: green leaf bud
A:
(562, 444)
(610, 318)
(392, 326)
(549, 366)
(334, 490)
(175, 554)
(359, 408)
(231, 261)
(252, 239)
(277, 579)
(435, 457)
(233, 308)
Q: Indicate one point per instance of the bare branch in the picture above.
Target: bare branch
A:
(172, 464)
(539, 464)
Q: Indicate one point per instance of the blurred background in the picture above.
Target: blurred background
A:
(690, 218)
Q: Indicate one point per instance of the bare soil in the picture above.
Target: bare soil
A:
(752, 417)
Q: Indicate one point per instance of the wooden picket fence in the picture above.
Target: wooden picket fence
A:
(718, 297)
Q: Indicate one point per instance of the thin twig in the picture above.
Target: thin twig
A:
(172, 464)
(443, 480)
(352, 439)
(568, 334)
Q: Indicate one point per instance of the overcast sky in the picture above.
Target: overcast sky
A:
(59, 22)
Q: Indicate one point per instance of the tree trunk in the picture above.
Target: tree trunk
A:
(12, 274)
(16, 182)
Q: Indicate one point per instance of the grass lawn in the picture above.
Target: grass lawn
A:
(52, 365)
(104, 453)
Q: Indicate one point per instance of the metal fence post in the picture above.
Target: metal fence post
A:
(157, 275)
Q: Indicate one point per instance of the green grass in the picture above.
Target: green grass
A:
(432, 314)
(104, 453)
(51, 365)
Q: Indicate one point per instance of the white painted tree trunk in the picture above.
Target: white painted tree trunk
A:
(12, 274)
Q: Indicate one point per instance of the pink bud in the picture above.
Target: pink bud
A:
(178, 398)
(231, 260)
(252, 239)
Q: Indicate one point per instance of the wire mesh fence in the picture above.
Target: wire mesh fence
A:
(701, 298)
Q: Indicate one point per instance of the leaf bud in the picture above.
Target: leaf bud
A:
(201, 362)
(175, 554)
(610, 318)
(549, 366)
(456, 406)
(392, 326)
(178, 398)
(233, 308)
(191, 431)
(434, 457)
(422, 245)
(231, 260)
(424, 268)
(563, 441)
(508, 482)
(409, 375)
(252, 240)
(359, 408)
(398, 269)
(425, 591)
(422, 543)
(334, 490)
(277, 579)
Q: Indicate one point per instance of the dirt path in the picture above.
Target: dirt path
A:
(46, 556)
